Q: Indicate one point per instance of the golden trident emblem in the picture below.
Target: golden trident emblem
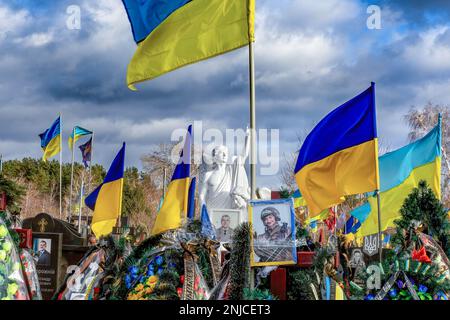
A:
(42, 224)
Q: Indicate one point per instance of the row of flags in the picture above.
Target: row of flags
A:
(340, 158)
(51, 143)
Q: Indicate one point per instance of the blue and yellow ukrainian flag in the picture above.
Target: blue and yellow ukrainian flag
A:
(400, 172)
(77, 133)
(51, 140)
(340, 155)
(174, 33)
(106, 199)
(175, 205)
(299, 201)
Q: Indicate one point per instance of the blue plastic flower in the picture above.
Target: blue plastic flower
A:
(150, 272)
(134, 270)
(369, 297)
(159, 260)
(423, 288)
(393, 293)
(160, 270)
(400, 284)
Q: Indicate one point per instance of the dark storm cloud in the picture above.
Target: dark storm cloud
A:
(311, 56)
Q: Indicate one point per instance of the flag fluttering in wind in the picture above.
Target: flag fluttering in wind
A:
(106, 199)
(340, 155)
(172, 34)
(299, 201)
(86, 150)
(77, 133)
(400, 172)
(175, 204)
(51, 140)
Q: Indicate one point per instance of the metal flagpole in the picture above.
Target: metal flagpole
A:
(60, 165)
(1, 163)
(251, 58)
(252, 123)
(71, 175)
(90, 162)
(81, 202)
(380, 249)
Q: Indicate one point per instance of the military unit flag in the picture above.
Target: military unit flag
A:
(86, 150)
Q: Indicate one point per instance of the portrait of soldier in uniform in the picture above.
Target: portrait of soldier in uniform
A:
(225, 232)
(274, 241)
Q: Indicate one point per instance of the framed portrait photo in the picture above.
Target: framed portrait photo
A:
(225, 222)
(273, 232)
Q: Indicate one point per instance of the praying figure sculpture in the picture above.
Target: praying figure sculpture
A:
(224, 184)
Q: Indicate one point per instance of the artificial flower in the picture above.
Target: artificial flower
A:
(3, 231)
(420, 255)
(7, 246)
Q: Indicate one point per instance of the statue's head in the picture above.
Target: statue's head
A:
(220, 154)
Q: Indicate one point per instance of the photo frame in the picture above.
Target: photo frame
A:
(272, 233)
(225, 221)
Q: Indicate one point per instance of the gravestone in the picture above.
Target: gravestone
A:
(73, 246)
(47, 251)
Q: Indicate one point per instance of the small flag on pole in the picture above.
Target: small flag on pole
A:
(207, 227)
(51, 140)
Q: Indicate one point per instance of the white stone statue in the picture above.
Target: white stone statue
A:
(224, 184)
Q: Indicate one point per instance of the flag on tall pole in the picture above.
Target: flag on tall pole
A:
(51, 144)
(51, 140)
(400, 172)
(172, 34)
(175, 203)
(340, 155)
(106, 199)
(77, 133)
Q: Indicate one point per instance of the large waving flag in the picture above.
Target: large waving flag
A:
(175, 33)
(51, 140)
(106, 199)
(175, 204)
(400, 172)
(77, 133)
(340, 155)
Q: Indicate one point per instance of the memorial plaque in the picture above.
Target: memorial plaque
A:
(47, 250)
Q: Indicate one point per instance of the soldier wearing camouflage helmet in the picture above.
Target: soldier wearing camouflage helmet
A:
(273, 244)
(273, 229)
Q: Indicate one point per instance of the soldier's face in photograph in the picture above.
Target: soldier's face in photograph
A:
(270, 221)
(42, 245)
(225, 222)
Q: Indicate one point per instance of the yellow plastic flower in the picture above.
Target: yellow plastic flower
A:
(152, 280)
(139, 287)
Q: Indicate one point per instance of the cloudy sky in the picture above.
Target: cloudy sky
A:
(311, 56)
